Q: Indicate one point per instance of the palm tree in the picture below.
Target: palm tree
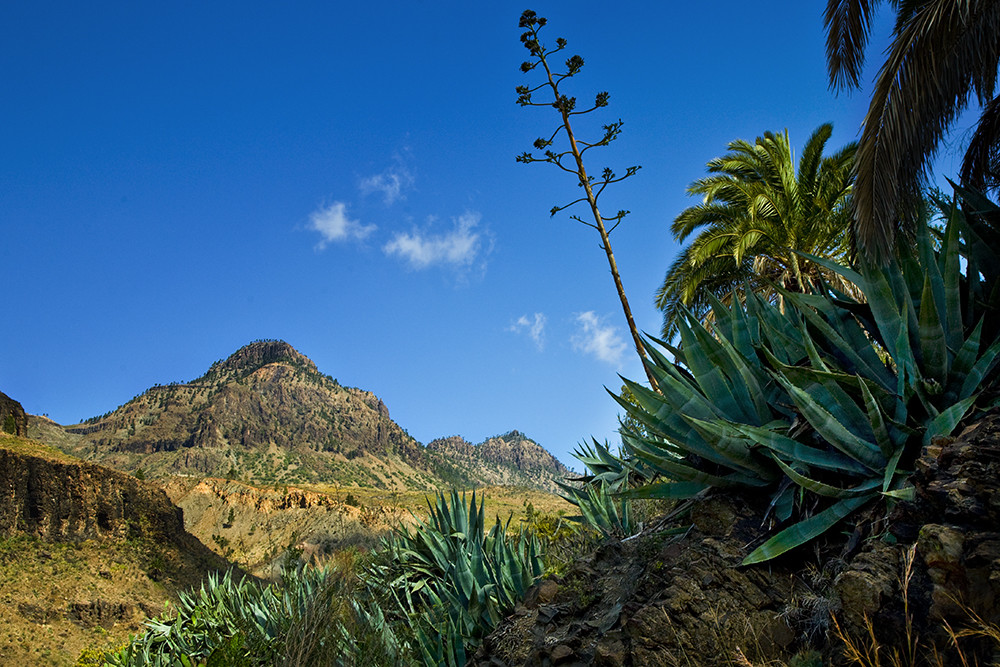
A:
(757, 214)
(941, 52)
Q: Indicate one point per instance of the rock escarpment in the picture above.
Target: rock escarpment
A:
(13, 419)
(684, 599)
(85, 552)
(47, 495)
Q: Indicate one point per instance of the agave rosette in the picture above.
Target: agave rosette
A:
(823, 394)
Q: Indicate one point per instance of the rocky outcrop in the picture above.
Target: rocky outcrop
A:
(84, 548)
(684, 599)
(662, 599)
(76, 501)
(13, 419)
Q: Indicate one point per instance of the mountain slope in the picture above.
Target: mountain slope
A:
(264, 414)
(268, 415)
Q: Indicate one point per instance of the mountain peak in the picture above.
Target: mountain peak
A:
(260, 353)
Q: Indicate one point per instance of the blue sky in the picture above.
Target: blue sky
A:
(179, 179)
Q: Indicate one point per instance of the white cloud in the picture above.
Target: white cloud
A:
(535, 328)
(391, 183)
(333, 225)
(457, 248)
(598, 339)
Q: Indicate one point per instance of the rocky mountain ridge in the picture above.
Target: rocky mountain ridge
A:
(504, 460)
(266, 414)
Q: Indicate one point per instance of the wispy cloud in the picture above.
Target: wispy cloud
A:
(598, 339)
(535, 328)
(393, 183)
(458, 248)
(333, 225)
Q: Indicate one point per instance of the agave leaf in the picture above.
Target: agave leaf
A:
(933, 347)
(731, 324)
(800, 452)
(806, 530)
(728, 440)
(967, 354)
(844, 272)
(906, 493)
(980, 370)
(705, 360)
(679, 470)
(890, 468)
(783, 502)
(951, 279)
(827, 389)
(859, 354)
(665, 491)
(832, 430)
(827, 490)
(879, 429)
(885, 311)
(750, 388)
(948, 419)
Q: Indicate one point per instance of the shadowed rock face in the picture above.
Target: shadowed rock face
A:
(13, 420)
(685, 600)
(81, 548)
(62, 500)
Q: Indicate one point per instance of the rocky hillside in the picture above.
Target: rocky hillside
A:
(511, 459)
(677, 595)
(260, 527)
(264, 414)
(85, 553)
(268, 415)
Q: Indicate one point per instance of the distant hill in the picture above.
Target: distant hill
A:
(511, 459)
(268, 415)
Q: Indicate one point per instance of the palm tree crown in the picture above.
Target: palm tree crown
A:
(757, 214)
(941, 52)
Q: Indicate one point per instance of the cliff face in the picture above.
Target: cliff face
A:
(13, 420)
(84, 549)
(48, 495)
(75, 501)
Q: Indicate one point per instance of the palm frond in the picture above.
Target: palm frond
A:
(848, 24)
(937, 58)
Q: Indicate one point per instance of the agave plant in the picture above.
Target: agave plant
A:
(830, 395)
(453, 579)
(597, 494)
(230, 621)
